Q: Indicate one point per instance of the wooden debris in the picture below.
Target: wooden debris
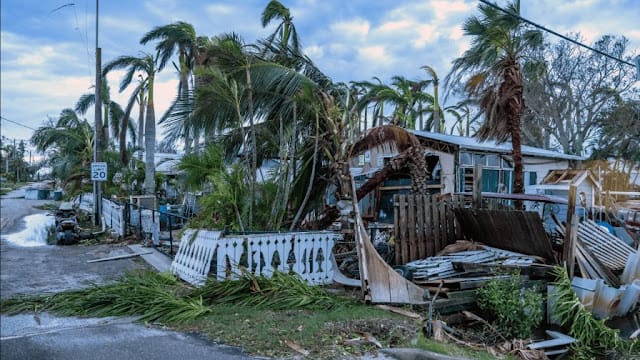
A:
(119, 257)
(296, 347)
(380, 282)
(519, 231)
(460, 245)
(532, 270)
(397, 310)
(366, 338)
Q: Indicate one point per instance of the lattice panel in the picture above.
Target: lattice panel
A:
(307, 254)
(193, 260)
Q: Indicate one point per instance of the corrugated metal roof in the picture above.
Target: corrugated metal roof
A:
(470, 143)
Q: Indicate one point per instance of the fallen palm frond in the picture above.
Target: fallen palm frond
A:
(281, 291)
(154, 297)
(593, 338)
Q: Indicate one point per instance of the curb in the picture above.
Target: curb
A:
(158, 260)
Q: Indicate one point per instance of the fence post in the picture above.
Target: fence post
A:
(570, 232)
(170, 235)
(140, 221)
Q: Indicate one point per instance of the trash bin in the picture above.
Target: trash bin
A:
(57, 195)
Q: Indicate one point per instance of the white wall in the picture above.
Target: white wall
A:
(541, 167)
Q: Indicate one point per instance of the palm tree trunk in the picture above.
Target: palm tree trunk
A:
(513, 84)
(184, 93)
(122, 141)
(436, 108)
(254, 154)
(311, 178)
(150, 143)
(141, 136)
(281, 183)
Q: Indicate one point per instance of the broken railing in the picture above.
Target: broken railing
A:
(201, 252)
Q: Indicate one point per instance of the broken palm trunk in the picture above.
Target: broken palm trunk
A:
(380, 283)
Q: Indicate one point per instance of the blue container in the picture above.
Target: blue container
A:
(163, 214)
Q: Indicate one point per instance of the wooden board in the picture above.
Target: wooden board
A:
(519, 231)
(380, 283)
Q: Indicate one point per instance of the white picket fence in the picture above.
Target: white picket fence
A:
(307, 254)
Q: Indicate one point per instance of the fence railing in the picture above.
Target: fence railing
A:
(124, 219)
(308, 254)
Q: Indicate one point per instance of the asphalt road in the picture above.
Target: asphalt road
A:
(49, 269)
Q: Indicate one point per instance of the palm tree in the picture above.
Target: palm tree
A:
(113, 115)
(179, 37)
(285, 37)
(491, 70)
(148, 65)
(69, 146)
(438, 119)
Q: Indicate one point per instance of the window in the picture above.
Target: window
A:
(465, 159)
(493, 160)
(479, 159)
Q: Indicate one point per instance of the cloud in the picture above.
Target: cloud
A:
(351, 30)
(314, 51)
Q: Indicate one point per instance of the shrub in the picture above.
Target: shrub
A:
(517, 310)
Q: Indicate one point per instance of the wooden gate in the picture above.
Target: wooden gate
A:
(424, 225)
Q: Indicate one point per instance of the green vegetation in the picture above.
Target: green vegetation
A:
(154, 297)
(254, 312)
(279, 292)
(594, 338)
(517, 310)
(452, 350)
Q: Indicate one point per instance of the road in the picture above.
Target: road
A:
(49, 269)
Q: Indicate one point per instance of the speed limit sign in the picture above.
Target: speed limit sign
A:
(99, 171)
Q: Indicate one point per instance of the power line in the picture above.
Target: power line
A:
(17, 123)
(556, 33)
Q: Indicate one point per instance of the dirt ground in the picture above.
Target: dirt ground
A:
(47, 269)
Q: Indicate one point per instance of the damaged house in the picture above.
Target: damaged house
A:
(450, 161)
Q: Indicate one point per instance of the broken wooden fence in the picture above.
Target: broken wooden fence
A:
(308, 254)
(424, 225)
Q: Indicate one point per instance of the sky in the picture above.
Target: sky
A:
(48, 47)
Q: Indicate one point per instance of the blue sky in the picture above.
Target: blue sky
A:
(48, 55)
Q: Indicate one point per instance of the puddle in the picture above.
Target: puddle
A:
(35, 232)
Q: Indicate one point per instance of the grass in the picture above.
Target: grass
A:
(322, 333)
(8, 186)
(455, 351)
(258, 314)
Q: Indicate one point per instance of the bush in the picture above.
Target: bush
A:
(517, 310)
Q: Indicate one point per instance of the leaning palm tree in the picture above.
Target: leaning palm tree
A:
(491, 72)
(285, 36)
(147, 65)
(68, 143)
(179, 37)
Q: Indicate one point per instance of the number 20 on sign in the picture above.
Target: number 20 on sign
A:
(99, 171)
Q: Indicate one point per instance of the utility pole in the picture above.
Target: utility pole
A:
(15, 156)
(97, 135)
